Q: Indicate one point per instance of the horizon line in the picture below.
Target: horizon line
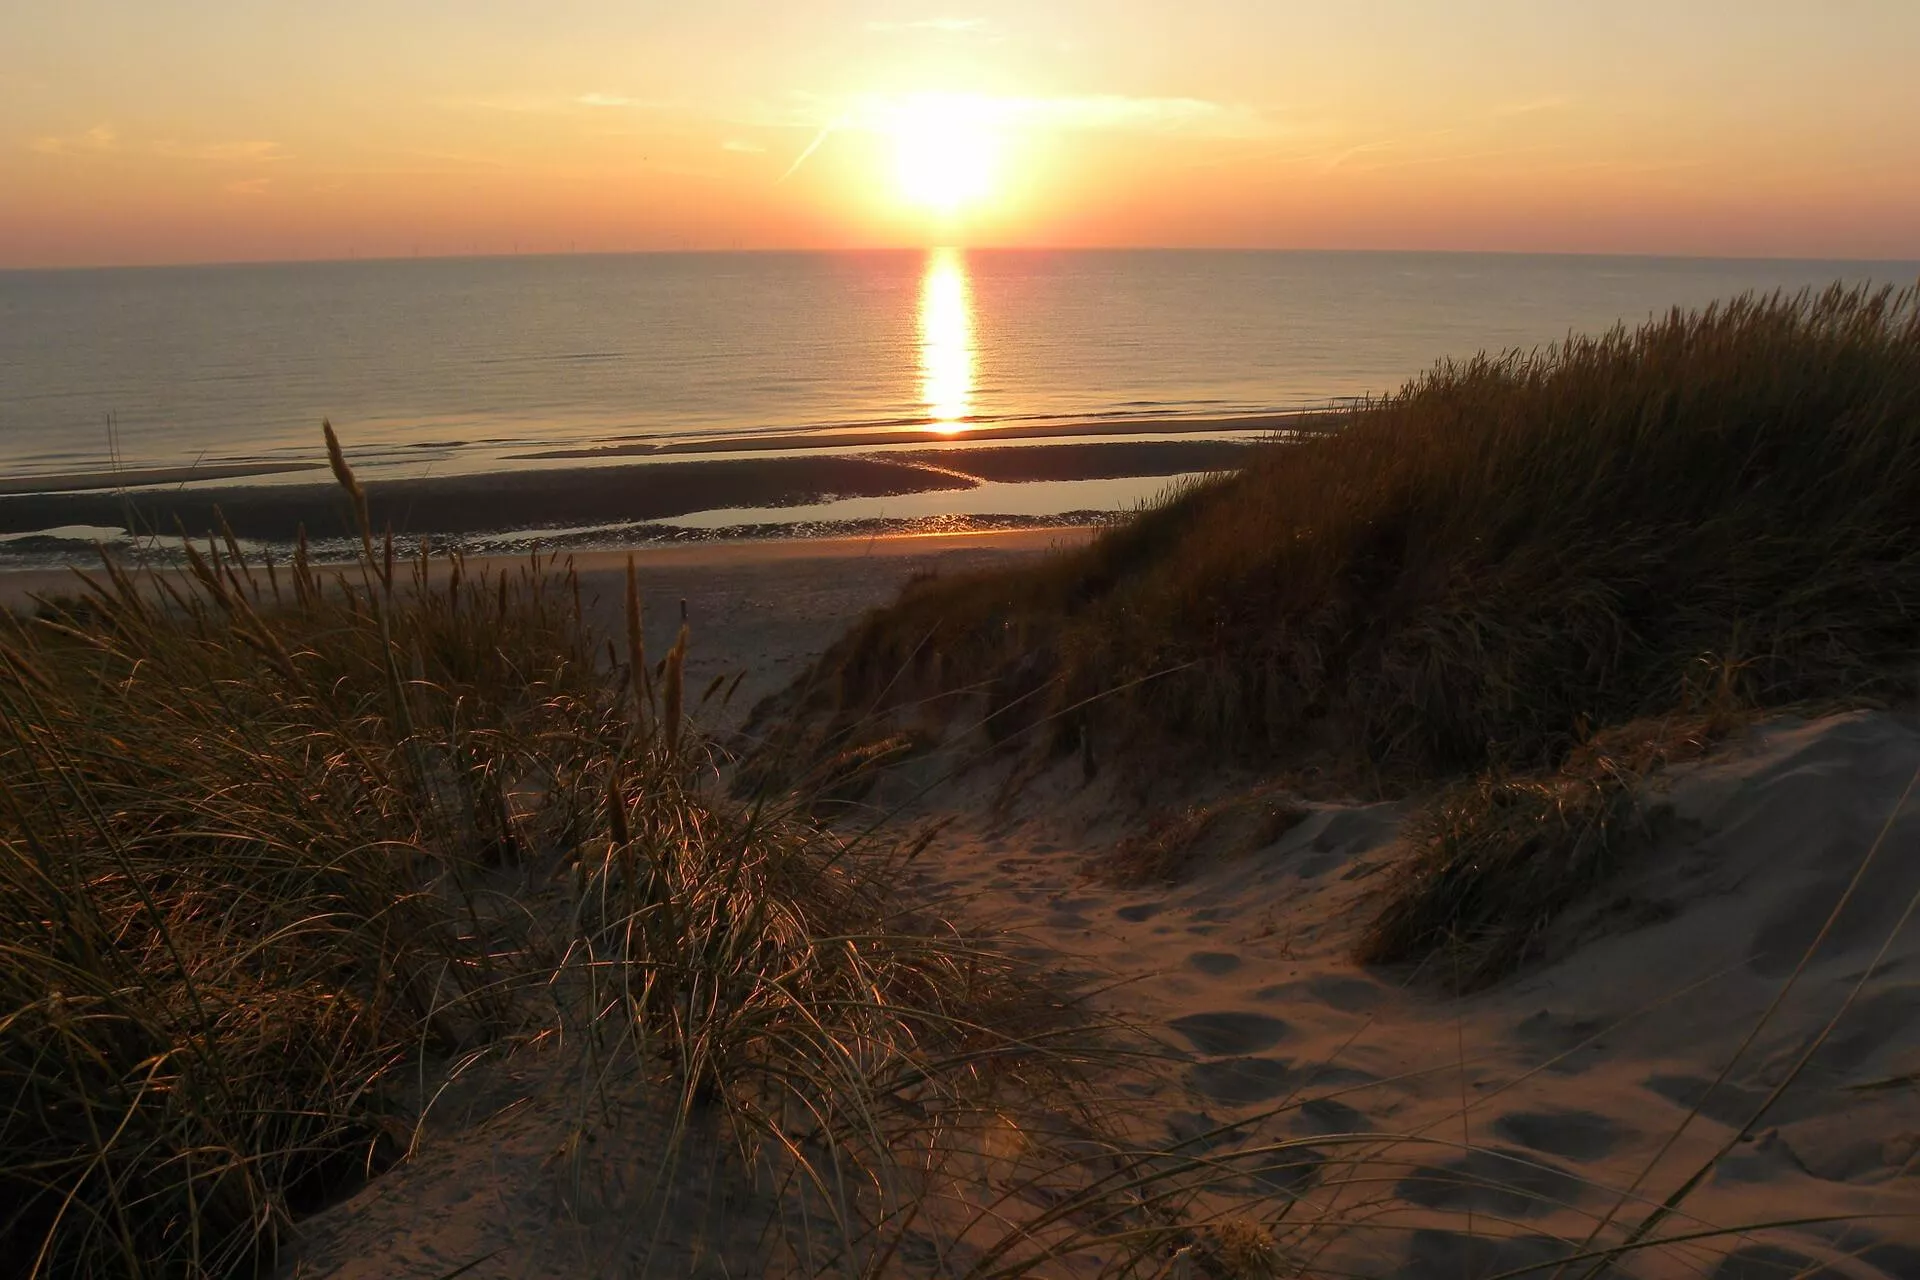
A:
(769, 251)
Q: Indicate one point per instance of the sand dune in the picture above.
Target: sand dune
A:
(1393, 1129)
(1443, 1137)
(1525, 1116)
(1427, 1135)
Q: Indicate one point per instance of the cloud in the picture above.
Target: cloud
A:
(513, 103)
(1559, 102)
(743, 147)
(945, 26)
(1151, 115)
(819, 140)
(99, 140)
(1197, 117)
(244, 152)
(249, 187)
(610, 100)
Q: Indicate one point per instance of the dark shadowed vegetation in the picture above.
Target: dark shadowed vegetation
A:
(1472, 579)
(1506, 554)
(281, 845)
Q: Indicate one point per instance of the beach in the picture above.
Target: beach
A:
(615, 493)
(1441, 1135)
(759, 609)
(1456, 1135)
(1119, 641)
(1459, 846)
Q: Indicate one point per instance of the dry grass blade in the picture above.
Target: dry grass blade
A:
(1468, 572)
(263, 873)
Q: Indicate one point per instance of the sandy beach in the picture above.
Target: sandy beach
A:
(1430, 1135)
(763, 608)
(1442, 1136)
(1118, 641)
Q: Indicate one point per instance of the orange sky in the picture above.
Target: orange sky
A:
(163, 131)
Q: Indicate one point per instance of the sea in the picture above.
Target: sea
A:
(437, 366)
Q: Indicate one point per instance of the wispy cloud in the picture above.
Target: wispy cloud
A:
(550, 104)
(743, 146)
(945, 26)
(617, 100)
(1141, 114)
(1533, 107)
(249, 187)
(99, 140)
(252, 151)
(1090, 112)
(819, 139)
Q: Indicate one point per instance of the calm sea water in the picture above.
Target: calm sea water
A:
(461, 364)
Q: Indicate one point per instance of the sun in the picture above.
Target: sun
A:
(946, 152)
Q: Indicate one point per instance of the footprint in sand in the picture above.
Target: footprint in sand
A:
(1230, 1032)
(1214, 963)
(1140, 911)
(1285, 1168)
(1325, 1116)
(1454, 1255)
(1728, 1103)
(1336, 991)
(1572, 1044)
(1576, 1135)
(1492, 1180)
(1241, 1081)
(1193, 1131)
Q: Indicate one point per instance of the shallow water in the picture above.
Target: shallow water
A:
(443, 365)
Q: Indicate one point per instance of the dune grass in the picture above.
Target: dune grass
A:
(279, 845)
(1466, 583)
(236, 866)
(1496, 858)
(282, 849)
(1483, 567)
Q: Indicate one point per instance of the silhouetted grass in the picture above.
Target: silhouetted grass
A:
(279, 846)
(1475, 570)
(245, 823)
(1475, 576)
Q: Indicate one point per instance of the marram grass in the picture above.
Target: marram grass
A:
(1482, 568)
(1468, 585)
(279, 844)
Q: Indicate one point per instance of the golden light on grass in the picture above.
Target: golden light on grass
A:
(946, 152)
(946, 339)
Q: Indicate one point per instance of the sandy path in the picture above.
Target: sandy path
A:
(1451, 1138)
(768, 609)
(1522, 1114)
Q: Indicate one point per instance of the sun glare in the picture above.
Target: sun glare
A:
(946, 340)
(946, 152)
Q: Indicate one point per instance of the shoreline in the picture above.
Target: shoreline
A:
(848, 439)
(962, 436)
(20, 585)
(502, 502)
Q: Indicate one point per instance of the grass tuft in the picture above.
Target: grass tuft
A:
(1474, 571)
(282, 847)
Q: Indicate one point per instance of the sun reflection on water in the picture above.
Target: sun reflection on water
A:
(946, 340)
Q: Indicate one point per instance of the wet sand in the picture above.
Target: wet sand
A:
(136, 477)
(451, 506)
(965, 436)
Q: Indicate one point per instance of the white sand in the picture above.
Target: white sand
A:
(1447, 1137)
